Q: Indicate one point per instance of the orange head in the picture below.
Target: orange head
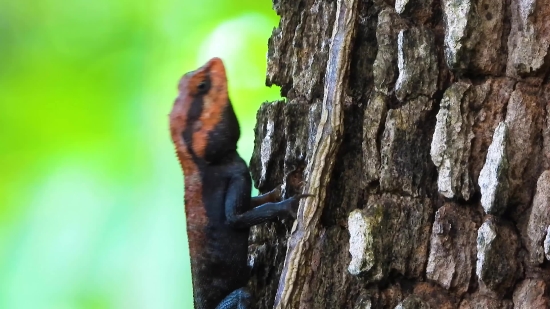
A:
(203, 124)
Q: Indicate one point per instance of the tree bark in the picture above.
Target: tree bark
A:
(420, 128)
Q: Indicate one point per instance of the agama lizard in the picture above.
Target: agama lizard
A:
(218, 205)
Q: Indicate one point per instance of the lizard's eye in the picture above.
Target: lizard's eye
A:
(203, 86)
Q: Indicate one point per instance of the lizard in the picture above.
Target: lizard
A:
(219, 208)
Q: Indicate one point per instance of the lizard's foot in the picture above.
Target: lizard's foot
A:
(292, 204)
(238, 299)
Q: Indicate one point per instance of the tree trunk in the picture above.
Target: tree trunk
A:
(421, 131)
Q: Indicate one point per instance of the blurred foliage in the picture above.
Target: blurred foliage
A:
(91, 195)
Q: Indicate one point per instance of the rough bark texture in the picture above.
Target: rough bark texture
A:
(422, 130)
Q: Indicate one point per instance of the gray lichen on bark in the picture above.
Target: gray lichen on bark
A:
(493, 178)
(451, 143)
(362, 230)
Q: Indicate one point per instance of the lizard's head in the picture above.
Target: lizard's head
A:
(202, 122)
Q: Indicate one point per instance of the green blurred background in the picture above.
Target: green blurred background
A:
(91, 195)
